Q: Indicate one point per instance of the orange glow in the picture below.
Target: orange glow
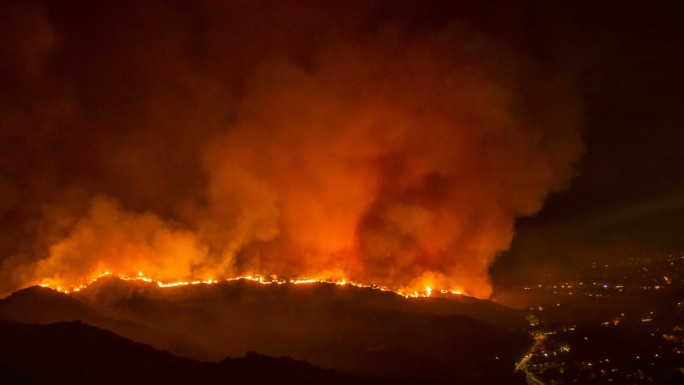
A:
(395, 160)
(270, 280)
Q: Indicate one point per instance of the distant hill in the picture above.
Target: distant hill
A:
(41, 305)
(74, 353)
(362, 331)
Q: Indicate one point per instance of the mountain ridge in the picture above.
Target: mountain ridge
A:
(77, 353)
(361, 331)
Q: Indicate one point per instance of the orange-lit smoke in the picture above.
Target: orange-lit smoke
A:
(399, 161)
(399, 157)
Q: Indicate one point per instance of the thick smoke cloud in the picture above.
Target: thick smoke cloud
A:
(205, 141)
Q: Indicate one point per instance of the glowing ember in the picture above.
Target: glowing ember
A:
(394, 155)
(271, 280)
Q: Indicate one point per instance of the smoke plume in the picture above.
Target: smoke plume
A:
(371, 142)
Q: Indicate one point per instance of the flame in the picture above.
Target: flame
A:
(399, 157)
(264, 280)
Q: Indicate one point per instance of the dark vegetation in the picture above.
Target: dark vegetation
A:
(363, 332)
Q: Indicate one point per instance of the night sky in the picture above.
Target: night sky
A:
(628, 199)
(399, 143)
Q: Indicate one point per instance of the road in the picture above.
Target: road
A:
(522, 365)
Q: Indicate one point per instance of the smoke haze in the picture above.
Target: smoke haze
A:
(374, 142)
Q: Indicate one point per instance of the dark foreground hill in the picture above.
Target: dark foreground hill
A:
(360, 331)
(75, 353)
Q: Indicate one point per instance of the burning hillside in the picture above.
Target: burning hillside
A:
(375, 143)
(363, 331)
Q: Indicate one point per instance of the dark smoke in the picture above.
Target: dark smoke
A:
(392, 143)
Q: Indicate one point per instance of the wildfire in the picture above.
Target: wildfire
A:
(264, 280)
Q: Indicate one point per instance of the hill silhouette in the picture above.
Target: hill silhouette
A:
(361, 331)
(75, 353)
(41, 305)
